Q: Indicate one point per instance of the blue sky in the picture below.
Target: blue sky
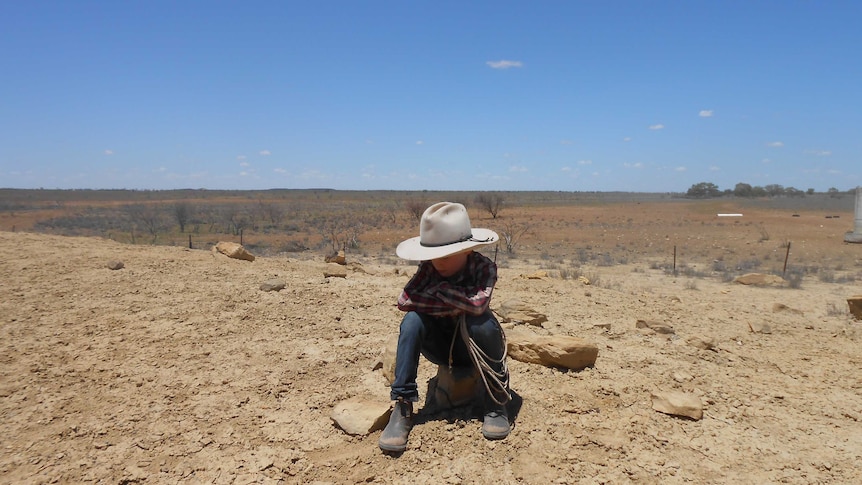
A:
(650, 96)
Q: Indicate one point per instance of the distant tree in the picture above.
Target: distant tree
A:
(703, 190)
(742, 190)
(758, 191)
(793, 192)
(810, 191)
(833, 192)
(491, 202)
(149, 216)
(182, 213)
(774, 190)
(512, 233)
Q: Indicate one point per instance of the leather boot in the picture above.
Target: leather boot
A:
(394, 436)
(495, 425)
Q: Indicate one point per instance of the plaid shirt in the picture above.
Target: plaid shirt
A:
(469, 291)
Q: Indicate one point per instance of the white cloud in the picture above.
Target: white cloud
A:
(240, 157)
(243, 164)
(161, 170)
(775, 144)
(818, 153)
(633, 165)
(504, 64)
(657, 127)
(585, 162)
(265, 153)
(566, 169)
(420, 142)
(680, 169)
(109, 152)
(279, 170)
(565, 142)
(714, 169)
(705, 113)
(832, 171)
(627, 139)
(766, 160)
(517, 168)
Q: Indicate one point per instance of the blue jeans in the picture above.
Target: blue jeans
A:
(432, 337)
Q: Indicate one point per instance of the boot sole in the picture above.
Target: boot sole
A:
(392, 448)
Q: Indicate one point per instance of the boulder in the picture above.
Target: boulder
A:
(516, 311)
(538, 275)
(360, 415)
(234, 251)
(386, 362)
(115, 265)
(759, 279)
(678, 404)
(334, 270)
(551, 351)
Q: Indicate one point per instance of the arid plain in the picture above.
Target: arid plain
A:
(178, 368)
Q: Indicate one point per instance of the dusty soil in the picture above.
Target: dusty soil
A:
(179, 369)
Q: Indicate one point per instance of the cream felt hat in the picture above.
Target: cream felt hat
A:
(444, 230)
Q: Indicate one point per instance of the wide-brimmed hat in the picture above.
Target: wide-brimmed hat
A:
(444, 230)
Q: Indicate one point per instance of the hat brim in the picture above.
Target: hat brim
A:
(413, 250)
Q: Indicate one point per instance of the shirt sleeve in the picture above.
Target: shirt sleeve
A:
(474, 296)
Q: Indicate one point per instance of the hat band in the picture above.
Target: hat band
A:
(466, 238)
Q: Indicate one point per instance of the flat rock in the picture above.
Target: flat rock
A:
(361, 415)
(115, 265)
(759, 279)
(678, 404)
(453, 387)
(551, 351)
(703, 343)
(272, 285)
(516, 311)
(782, 308)
(233, 250)
(657, 327)
(334, 270)
(386, 362)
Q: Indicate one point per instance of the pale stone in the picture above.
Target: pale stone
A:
(386, 362)
(551, 351)
(360, 415)
(115, 265)
(703, 343)
(759, 279)
(516, 311)
(760, 327)
(678, 404)
(233, 250)
(584, 280)
(272, 285)
(656, 327)
(781, 307)
(538, 275)
(334, 271)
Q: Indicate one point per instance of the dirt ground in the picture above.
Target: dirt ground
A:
(177, 368)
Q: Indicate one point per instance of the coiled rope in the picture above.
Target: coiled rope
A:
(482, 361)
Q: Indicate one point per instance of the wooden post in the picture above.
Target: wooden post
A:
(786, 255)
(240, 237)
(190, 241)
(674, 259)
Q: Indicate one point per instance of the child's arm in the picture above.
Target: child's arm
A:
(473, 299)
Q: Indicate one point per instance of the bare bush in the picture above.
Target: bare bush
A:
(491, 202)
(416, 207)
(512, 232)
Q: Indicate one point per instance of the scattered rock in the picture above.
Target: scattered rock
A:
(551, 351)
(234, 251)
(678, 404)
(334, 270)
(538, 275)
(605, 326)
(115, 265)
(855, 304)
(360, 416)
(272, 285)
(516, 311)
(656, 327)
(703, 343)
(337, 258)
(759, 279)
(387, 359)
(781, 307)
(760, 327)
(584, 280)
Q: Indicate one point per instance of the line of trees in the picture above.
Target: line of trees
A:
(705, 190)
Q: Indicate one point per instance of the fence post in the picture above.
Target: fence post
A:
(190, 241)
(786, 255)
(674, 259)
